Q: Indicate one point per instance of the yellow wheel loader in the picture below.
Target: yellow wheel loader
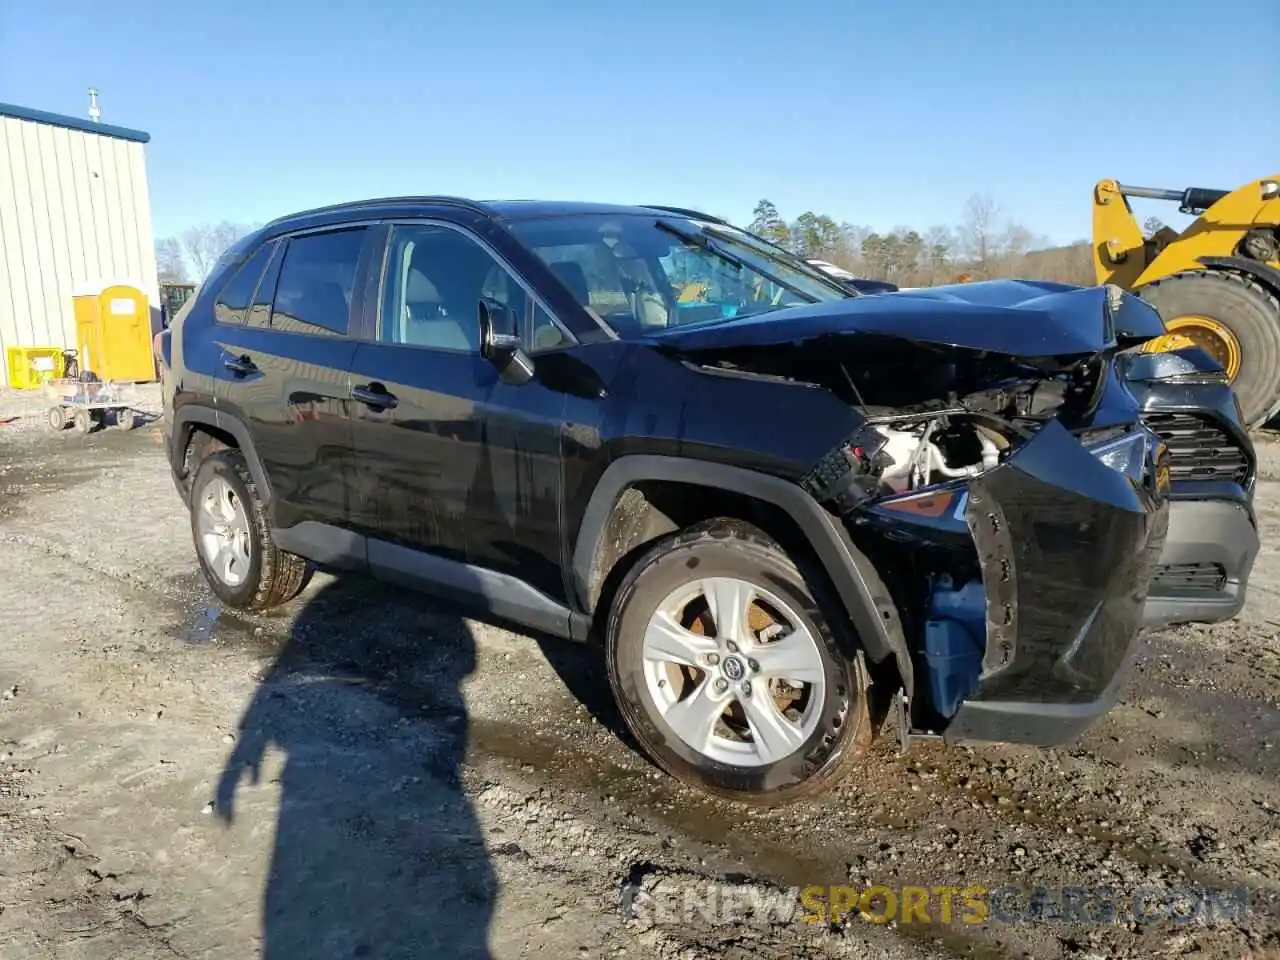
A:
(1216, 284)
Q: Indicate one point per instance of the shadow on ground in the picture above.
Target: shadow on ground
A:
(377, 851)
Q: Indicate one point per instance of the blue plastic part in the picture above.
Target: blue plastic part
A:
(954, 641)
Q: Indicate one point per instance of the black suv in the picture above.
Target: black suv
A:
(784, 509)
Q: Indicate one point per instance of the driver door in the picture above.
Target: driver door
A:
(452, 464)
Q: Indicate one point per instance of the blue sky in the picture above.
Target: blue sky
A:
(879, 113)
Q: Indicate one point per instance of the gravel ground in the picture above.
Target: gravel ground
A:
(365, 774)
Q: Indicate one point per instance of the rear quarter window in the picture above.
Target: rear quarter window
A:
(237, 293)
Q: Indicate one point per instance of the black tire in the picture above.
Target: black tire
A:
(274, 577)
(57, 418)
(732, 548)
(1249, 311)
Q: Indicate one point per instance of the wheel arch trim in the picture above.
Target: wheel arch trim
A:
(194, 415)
(857, 583)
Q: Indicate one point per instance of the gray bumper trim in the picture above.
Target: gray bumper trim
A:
(1205, 531)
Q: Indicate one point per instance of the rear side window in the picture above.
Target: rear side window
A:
(317, 282)
(237, 293)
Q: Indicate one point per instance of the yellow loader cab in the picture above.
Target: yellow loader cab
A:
(1216, 284)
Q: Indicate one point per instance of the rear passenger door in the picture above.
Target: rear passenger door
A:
(285, 372)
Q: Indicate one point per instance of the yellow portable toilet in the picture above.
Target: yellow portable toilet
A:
(113, 334)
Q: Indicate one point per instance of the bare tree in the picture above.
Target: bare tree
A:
(978, 230)
(204, 243)
(171, 266)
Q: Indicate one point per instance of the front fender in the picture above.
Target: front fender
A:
(866, 599)
(189, 416)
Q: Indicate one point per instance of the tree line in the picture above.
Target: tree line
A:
(984, 244)
(189, 256)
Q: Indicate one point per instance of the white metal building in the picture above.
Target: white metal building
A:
(75, 216)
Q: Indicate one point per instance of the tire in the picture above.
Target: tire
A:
(260, 575)
(1249, 311)
(82, 421)
(836, 728)
(57, 418)
(125, 419)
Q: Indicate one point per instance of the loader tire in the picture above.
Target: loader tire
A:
(1251, 314)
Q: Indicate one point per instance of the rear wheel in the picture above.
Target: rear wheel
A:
(1234, 319)
(244, 567)
(729, 670)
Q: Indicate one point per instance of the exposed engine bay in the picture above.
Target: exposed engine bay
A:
(930, 451)
(935, 412)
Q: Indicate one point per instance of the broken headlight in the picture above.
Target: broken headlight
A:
(1127, 453)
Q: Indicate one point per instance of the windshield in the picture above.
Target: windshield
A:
(645, 274)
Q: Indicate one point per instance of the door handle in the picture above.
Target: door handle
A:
(241, 366)
(374, 396)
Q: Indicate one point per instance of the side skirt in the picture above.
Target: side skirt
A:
(490, 594)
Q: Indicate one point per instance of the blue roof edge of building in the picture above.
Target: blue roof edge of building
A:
(73, 123)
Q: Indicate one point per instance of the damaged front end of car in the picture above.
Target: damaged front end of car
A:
(1011, 499)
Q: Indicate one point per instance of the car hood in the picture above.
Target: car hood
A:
(1012, 317)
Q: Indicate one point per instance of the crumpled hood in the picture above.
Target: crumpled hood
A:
(1012, 317)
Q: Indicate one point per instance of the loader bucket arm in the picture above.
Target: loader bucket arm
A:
(1220, 229)
(1118, 249)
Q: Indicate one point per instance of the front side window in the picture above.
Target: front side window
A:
(643, 274)
(317, 282)
(434, 279)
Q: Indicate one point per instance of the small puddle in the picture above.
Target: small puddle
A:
(211, 624)
(203, 625)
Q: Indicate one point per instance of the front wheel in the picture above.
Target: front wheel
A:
(733, 670)
(243, 565)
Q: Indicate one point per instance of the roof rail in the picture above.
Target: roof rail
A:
(384, 202)
(686, 212)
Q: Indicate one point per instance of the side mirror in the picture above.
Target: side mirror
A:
(500, 342)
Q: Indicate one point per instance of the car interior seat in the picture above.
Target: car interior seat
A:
(324, 303)
(430, 322)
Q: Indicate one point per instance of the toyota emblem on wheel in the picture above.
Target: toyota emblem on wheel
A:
(733, 669)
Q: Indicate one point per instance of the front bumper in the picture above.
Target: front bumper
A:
(1204, 568)
(1067, 547)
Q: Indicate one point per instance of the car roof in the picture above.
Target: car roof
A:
(508, 210)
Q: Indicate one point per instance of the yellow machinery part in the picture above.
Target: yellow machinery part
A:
(1199, 331)
(1122, 256)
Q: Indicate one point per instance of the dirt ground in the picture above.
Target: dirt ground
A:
(365, 774)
